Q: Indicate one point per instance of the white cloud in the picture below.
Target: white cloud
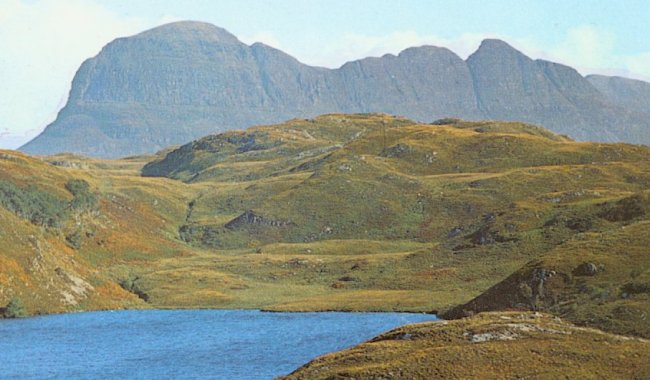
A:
(639, 64)
(587, 46)
(43, 43)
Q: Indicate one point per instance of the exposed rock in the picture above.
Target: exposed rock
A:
(397, 151)
(537, 280)
(625, 209)
(251, 218)
(345, 167)
(68, 164)
(483, 236)
(77, 287)
(585, 269)
(7, 156)
(495, 335)
(454, 232)
(297, 262)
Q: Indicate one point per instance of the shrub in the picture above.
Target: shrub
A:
(133, 285)
(15, 309)
(37, 206)
(83, 198)
(74, 240)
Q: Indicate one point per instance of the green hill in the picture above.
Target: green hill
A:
(340, 212)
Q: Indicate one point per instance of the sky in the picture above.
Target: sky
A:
(43, 42)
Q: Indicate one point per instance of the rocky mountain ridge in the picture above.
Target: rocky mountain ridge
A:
(184, 80)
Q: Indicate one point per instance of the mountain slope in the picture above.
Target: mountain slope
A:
(339, 212)
(511, 86)
(599, 279)
(629, 93)
(487, 346)
(508, 191)
(184, 80)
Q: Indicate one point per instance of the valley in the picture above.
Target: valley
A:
(353, 212)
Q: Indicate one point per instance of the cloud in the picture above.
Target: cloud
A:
(43, 43)
(639, 64)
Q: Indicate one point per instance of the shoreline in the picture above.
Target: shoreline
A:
(261, 310)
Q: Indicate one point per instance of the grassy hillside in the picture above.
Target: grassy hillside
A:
(599, 278)
(488, 346)
(341, 212)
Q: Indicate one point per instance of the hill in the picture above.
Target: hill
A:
(487, 346)
(180, 81)
(600, 278)
(339, 212)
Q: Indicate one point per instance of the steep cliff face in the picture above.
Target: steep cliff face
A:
(184, 80)
(424, 83)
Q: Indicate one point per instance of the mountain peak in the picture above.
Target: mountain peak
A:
(493, 45)
(426, 51)
(190, 30)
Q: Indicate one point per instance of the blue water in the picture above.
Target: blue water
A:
(162, 344)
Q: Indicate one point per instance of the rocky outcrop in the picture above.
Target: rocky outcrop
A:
(585, 269)
(532, 288)
(249, 218)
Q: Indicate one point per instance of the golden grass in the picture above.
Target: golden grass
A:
(378, 223)
(487, 346)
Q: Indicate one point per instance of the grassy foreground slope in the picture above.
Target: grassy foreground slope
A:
(341, 212)
(599, 278)
(488, 346)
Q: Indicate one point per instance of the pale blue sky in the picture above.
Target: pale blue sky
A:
(42, 42)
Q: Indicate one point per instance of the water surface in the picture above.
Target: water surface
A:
(219, 344)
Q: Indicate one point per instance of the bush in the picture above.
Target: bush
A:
(83, 198)
(15, 309)
(133, 285)
(37, 206)
(74, 240)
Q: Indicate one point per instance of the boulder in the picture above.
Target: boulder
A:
(585, 269)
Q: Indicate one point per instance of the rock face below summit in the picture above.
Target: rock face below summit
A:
(180, 81)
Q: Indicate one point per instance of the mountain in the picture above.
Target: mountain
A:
(629, 93)
(181, 81)
(511, 86)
